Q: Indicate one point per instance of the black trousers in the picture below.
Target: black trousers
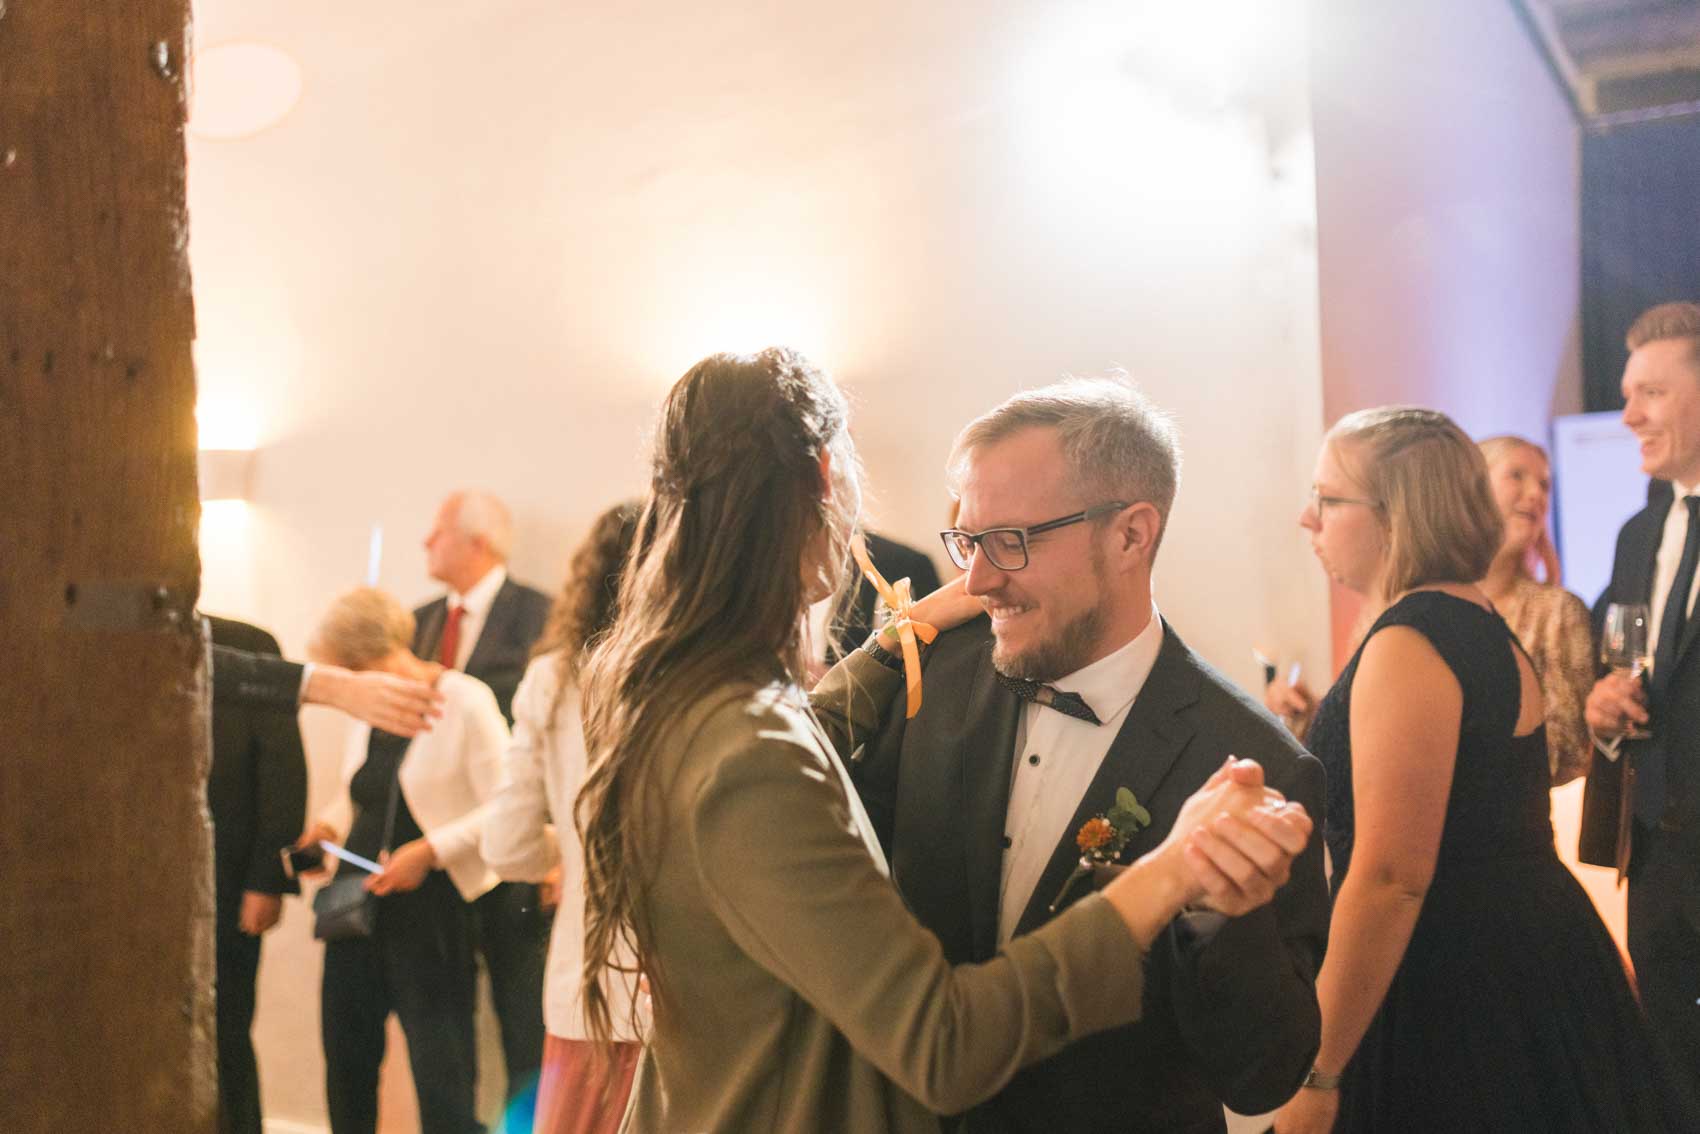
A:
(1664, 943)
(237, 957)
(513, 935)
(419, 965)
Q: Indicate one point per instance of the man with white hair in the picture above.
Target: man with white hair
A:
(485, 627)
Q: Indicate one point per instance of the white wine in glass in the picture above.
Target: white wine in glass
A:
(1626, 647)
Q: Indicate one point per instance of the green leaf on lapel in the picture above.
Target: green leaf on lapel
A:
(1128, 813)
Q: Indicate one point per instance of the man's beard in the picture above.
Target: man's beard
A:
(1058, 657)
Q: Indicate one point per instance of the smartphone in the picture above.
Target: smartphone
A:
(300, 860)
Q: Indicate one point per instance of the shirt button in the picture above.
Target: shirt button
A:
(1033, 759)
(1008, 842)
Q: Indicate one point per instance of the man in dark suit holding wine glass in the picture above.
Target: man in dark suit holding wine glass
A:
(1644, 794)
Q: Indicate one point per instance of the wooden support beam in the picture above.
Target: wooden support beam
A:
(105, 855)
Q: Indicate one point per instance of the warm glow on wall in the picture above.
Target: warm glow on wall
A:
(239, 89)
(225, 421)
(758, 266)
(1121, 106)
(1202, 54)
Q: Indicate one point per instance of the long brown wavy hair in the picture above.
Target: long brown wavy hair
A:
(713, 598)
(585, 606)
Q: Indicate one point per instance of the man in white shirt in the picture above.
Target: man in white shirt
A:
(485, 627)
(1030, 726)
(1651, 800)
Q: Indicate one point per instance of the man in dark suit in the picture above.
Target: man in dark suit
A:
(485, 626)
(1642, 807)
(257, 794)
(1031, 722)
(895, 561)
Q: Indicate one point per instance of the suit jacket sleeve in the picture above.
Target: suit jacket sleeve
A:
(280, 804)
(1244, 989)
(255, 679)
(787, 873)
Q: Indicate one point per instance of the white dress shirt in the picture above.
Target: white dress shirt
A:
(1056, 757)
(1669, 559)
(529, 829)
(447, 776)
(476, 608)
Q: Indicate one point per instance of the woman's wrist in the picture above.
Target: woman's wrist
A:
(1319, 1080)
(1150, 893)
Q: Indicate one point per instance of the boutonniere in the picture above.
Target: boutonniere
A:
(1103, 837)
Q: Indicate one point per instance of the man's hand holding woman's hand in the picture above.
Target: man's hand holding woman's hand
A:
(1231, 848)
(1238, 839)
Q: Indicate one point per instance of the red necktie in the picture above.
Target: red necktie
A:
(451, 636)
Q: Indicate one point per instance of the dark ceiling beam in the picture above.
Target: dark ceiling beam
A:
(1595, 41)
(1645, 92)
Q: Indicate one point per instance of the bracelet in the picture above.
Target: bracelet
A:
(882, 655)
(1319, 1080)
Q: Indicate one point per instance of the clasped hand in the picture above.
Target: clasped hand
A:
(1238, 839)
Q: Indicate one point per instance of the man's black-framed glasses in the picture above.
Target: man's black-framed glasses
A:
(1006, 548)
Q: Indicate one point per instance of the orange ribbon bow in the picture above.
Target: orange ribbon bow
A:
(899, 601)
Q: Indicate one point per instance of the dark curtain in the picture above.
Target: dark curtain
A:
(1640, 238)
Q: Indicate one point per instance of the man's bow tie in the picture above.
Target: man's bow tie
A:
(1033, 692)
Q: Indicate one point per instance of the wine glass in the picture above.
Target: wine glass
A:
(1626, 647)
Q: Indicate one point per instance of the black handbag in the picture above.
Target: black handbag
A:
(343, 909)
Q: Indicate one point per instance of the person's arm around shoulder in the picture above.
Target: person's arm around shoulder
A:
(861, 704)
(1406, 713)
(394, 704)
(519, 838)
(856, 696)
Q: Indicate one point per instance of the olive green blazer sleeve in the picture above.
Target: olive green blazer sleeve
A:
(851, 700)
(786, 866)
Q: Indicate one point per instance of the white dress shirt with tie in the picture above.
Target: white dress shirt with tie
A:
(1056, 757)
(1669, 558)
(476, 601)
(1665, 566)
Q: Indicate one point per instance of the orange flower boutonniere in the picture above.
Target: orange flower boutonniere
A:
(1102, 838)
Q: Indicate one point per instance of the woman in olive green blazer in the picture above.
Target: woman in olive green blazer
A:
(794, 992)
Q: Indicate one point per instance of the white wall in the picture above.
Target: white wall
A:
(1448, 183)
(489, 236)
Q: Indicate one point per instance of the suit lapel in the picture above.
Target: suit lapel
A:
(985, 757)
(430, 632)
(495, 627)
(1140, 758)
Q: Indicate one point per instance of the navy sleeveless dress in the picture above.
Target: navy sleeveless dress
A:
(1510, 1010)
